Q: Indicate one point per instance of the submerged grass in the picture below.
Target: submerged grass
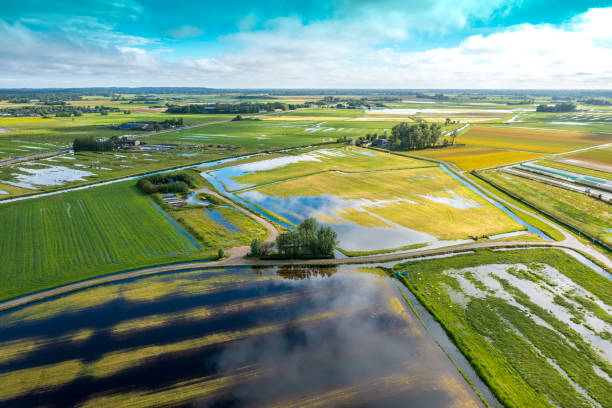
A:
(507, 348)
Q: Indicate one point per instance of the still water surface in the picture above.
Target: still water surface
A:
(230, 337)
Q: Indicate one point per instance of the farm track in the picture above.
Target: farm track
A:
(34, 156)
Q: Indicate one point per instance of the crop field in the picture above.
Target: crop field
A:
(576, 209)
(596, 159)
(536, 324)
(63, 238)
(471, 158)
(337, 113)
(530, 140)
(215, 337)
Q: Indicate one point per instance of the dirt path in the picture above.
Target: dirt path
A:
(237, 253)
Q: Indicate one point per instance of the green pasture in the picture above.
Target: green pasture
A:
(257, 135)
(63, 238)
(519, 358)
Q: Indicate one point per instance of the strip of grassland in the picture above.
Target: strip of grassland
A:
(542, 226)
(576, 169)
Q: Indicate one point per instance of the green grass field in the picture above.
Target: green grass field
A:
(578, 210)
(64, 238)
(274, 133)
(518, 340)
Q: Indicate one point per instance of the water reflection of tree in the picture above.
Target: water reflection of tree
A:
(306, 272)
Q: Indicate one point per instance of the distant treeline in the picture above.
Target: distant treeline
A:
(92, 145)
(76, 93)
(560, 107)
(596, 101)
(166, 183)
(59, 110)
(243, 107)
(406, 136)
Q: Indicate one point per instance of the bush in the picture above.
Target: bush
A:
(221, 253)
(160, 183)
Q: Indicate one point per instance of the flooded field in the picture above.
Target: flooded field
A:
(373, 200)
(537, 323)
(233, 337)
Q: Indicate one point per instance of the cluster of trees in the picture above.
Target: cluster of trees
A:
(166, 183)
(309, 239)
(243, 107)
(93, 145)
(406, 136)
(560, 107)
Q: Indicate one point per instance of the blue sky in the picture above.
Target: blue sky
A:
(331, 44)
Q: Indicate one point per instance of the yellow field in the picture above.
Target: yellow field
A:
(472, 158)
(531, 140)
(412, 198)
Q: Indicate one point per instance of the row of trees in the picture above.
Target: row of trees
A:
(92, 145)
(166, 183)
(406, 136)
(560, 107)
(243, 107)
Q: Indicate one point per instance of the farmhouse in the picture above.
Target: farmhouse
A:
(382, 143)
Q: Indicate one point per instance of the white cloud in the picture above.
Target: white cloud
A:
(350, 50)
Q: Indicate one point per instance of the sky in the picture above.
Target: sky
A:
(461, 44)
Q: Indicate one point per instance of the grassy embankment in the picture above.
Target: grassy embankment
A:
(575, 209)
(505, 340)
(554, 233)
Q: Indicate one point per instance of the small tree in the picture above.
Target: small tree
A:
(220, 253)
